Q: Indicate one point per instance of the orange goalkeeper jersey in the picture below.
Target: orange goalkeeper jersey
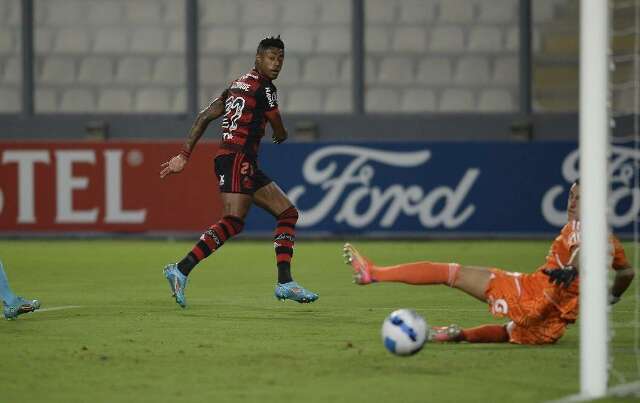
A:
(560, 254)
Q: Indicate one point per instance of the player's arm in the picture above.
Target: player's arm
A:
(206, 116)
(622, 281)
(275, 120)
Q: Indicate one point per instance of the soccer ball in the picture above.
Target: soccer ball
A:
(404, 332)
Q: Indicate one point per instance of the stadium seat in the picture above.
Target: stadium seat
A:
(409, 39)
(253, 36)
(262, 12)
(215, 12)
(382, 100)
(56, 70)
(105, 12)
(512, 40)
(295, 40)
(457, 100)
(417, 11)
(304, 100)
(296, 12)
(133, 70)
(543, 10)
(377, 39)
(4, 11)
(320, 70)
(449, 39)
(71, 40)
(506, 70)
(45, 100)
(212, 71)
(111, 40)
(12, 73)
(335, 12)
(485, 39)
(334, 40)
(498, 11)
(435, 71)
(148, 40)
(96, 70)
(472, 71)
(169, 70)
(10, 100)
(177, 41)
(7, 41)
(77, 100)
(456, 11)
(179, 102)
(222, 40)
(624, 101)
(208, 94)
(418, 100)
(339, 100)
(143, 11)
(153, 100)
(291, 71)
(379, 11)
(395, 70)
(494, 100)
(369, 70)
(64, 13)
(174, 12)
(43, 40)
(114, 101)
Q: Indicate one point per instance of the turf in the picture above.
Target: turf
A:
(127, 340)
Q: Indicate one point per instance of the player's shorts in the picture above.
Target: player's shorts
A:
(521, 297)
(238, 174)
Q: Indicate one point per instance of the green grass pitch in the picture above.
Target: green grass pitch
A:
(123, 339)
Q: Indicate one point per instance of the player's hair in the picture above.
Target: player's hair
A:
(270, 42)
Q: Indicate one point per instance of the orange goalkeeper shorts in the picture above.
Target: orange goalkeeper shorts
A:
(521, 297)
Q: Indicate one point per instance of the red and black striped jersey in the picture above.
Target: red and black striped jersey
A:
(247, 100)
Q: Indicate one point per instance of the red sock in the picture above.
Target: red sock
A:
(283, 241)
(485, 334)
(418, 273)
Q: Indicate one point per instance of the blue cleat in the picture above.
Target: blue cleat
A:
(20, 306)
(294, 292)
(177, 283)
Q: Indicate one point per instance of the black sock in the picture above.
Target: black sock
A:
(284, 272)
(187, 264)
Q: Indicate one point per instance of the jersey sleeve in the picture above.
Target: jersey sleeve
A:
(570, 235)
(269, 96)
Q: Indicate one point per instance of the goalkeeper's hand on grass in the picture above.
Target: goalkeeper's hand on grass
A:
(562, 276)
(613, 299)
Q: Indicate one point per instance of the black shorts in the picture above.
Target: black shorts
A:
(238, 174)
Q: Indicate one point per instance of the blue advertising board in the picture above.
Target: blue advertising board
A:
(437, 188)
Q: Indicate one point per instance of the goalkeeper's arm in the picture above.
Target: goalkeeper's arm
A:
(622, 281)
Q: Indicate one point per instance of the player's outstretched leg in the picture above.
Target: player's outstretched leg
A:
(177, 283)
(14, 305)
(480, 334)
(19, 306)
(360, 264)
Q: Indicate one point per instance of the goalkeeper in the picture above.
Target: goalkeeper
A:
(539, 305)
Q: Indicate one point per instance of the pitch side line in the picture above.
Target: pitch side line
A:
(57, 308)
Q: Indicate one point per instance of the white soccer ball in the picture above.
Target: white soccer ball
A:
(404, 332)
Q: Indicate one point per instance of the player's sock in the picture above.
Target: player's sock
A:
(283, 240)
(5, 291)
(210, 241)
(485, 334)
(418, 273)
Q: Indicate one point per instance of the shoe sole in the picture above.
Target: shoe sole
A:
(353, 258)
(174, 295)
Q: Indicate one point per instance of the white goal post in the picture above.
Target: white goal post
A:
(594, 145)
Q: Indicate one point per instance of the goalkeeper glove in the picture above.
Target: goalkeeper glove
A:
(562, 276)
(613, 299)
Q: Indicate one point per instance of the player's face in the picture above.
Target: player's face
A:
(573, 207)
(269, 62)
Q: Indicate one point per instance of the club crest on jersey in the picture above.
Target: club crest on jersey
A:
(272, 97)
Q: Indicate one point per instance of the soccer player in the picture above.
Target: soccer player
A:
(540, 305)
(247, 104)
(14, 305)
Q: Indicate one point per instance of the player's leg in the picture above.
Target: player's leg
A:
(480, 334)
(271, 198)
(236, 202)
(470, 279)
(14, 305)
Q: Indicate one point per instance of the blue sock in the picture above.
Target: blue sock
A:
(5, 291)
